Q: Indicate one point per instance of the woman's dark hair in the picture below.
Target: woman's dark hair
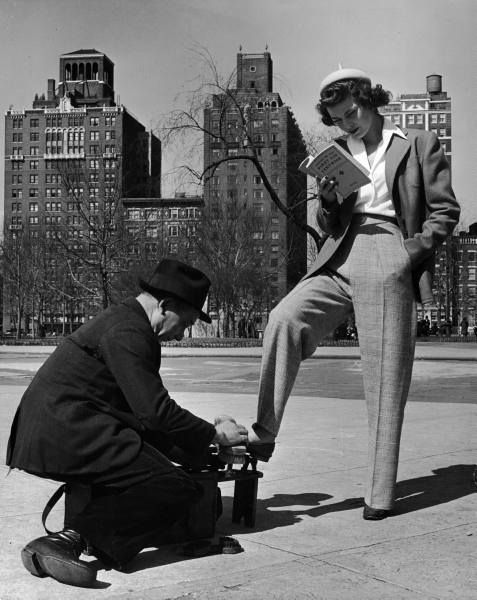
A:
(362, 92)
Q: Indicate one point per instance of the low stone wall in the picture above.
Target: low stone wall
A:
(203, 342)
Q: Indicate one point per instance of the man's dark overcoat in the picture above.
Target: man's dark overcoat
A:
(96, 399)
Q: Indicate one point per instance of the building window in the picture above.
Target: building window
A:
(110, 135)
(257, 235)
(173, 247)
(93, 206)
(443, 118)
(17, 123)
(34, 122)
(34, 151)
(275, 235)
(94, 121)
(93, 149)
(433, 118)
(258, 194)
(442, 132)
(17, 137)
(110, 120)
(16, 206)
(33, 206)
(173, 230)
(94, 163)
(52, 178)
(34, 136)
(274, 122)
(75, 121)
(33, 220)
(53, 192)
(17, 151)
(34, 178)
(93, 192)
(33, 193)
(52, 206)
(52, 219)
(258, 124)
(94, 136)
(34, 164)
(17, 193)
(419, 119)
(274, 151)
(17, 178)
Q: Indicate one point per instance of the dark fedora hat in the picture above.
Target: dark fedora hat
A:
(175, 278)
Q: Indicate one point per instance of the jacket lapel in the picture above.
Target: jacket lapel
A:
(396, 151)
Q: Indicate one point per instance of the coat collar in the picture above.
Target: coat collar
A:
(397, 150)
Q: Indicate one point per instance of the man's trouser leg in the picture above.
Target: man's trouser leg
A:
(133, 507)
(314, 308)
(379, 271)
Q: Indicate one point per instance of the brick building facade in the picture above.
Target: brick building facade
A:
(252, 114)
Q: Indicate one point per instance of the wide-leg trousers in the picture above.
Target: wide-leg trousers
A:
(370, 272)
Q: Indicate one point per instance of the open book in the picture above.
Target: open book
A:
(334, 162)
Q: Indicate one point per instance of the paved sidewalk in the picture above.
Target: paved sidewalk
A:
(310, 541)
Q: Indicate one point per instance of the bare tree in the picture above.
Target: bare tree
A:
(97, 238)
(232, 247)
(186, 128)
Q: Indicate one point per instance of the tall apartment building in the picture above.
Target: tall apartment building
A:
(430, 110)
(467, 280)
(77, 125)
(277, 139)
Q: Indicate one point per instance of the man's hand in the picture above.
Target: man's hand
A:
(229, 433)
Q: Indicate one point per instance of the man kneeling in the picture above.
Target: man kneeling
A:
(97, 414)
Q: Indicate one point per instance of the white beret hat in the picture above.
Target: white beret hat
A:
(342, 74)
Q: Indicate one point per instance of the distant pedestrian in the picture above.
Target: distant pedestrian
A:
(464, 327)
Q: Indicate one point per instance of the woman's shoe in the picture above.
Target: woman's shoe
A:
(261, 452)
(375, 514)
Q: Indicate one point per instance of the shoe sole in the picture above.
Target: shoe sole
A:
(44, 565)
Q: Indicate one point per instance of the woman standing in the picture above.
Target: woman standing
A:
(377, 259)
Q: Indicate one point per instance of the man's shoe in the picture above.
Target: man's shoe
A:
(375, 514)
(57, 555)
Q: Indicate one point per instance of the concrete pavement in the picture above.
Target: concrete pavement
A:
(310, 541)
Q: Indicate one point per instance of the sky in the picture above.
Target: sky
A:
(152, 42)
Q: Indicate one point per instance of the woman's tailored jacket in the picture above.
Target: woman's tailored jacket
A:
(418, 177)
(96, 399)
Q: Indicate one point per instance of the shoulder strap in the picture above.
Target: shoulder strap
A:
(50, 504)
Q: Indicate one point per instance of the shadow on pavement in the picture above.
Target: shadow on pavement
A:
(444, 485)
(281, 510)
